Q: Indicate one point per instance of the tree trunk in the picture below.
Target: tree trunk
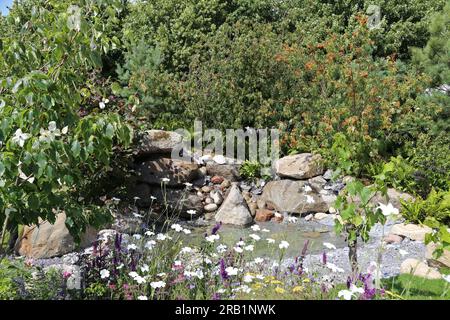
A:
(353, 256)
(13, 236)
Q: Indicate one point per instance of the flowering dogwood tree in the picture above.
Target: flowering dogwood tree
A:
(48, 147)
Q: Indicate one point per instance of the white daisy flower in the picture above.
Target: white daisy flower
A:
(186, 250)
(177, 227)
(334, 268)
(238, 249)
(132, 247)
(221, 248)
(255, 237)
(158, 284)
(258, 260)
(283, 245)
(249, 247)
(150, 244)
(104, 274)
(329, 245)
(212, 238)
(145, 268)
(231, 271)
(161, 237)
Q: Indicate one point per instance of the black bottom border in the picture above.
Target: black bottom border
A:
(179, 310)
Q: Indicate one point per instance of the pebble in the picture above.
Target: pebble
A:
(320, 215)
(225, 184)
(217, 179)
(206, 189)
(211, 207)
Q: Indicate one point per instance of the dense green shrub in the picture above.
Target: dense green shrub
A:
(404, 24)
(245, 63)
(430, 156)
(401, 175)
(178, 28)
(310, 90)
(436, 206)
(424, 132)
(53, 135)
(434, 57)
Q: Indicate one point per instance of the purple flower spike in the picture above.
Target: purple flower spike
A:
(324, 258)
(216, 228)
(118, 242)
(349, 282)
(223, 272)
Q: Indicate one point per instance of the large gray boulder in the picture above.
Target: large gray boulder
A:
(395, 197)
(411, 231)
(299, 166)
(157, 142)
(47, 240)
(295, 197)
(234, 209)
(419, 269)
(177, 171)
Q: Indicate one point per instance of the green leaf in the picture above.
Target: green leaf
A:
(76, 147)
(116, 88)
(365, 195)
(109, 131)
(348, 212)
(33, 202)
(357, 220)
(2, 169)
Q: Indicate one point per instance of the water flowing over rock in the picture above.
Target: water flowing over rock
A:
(234, 209)
(157, 142)
(48, 240)
(294, 197)
(299, 166)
